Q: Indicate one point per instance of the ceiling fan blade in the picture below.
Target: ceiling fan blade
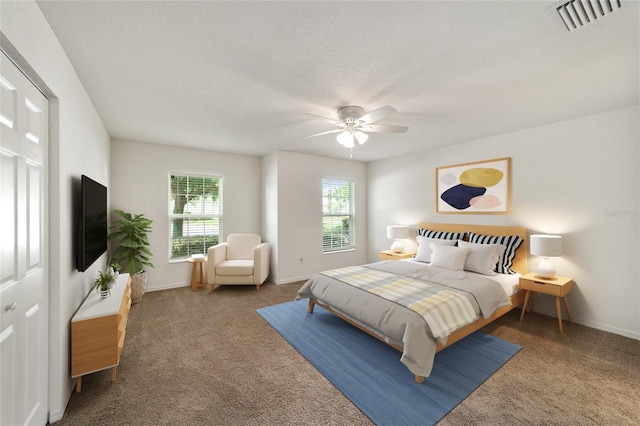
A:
(377, 114)
(384, 128)
(323, 133)
(330, 120)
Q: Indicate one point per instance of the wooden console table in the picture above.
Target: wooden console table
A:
(98, 330)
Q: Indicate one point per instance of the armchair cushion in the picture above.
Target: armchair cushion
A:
(235, 267)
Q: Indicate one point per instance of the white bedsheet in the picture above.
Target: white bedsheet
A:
(509, 283)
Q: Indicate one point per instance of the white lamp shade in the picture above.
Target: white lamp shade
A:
(546, 245)
(397, 232)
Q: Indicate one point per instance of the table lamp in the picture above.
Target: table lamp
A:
(546, 246)
(397, 233)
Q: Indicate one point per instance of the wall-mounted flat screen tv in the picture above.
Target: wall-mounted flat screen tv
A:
(92, 232)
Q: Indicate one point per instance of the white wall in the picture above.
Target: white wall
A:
(576, 178)
(79, 144)
(299, 213)
(140, 184)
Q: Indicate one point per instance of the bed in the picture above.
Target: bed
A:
(388, 299)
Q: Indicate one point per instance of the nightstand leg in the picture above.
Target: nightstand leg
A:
(566, 306)
(533, 302)
(524, 305)
(559, 313)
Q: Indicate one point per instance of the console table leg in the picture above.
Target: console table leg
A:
(113, 374)
(79, 384)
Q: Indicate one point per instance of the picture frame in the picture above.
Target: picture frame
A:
(480, 187)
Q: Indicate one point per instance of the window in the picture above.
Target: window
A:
(195, 214)
(337, 215)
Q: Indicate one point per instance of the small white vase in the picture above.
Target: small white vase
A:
(104, 294)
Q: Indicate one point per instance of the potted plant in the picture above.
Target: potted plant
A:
(103, 283)
(115, 268)
(133, 254)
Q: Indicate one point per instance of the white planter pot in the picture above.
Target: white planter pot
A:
(138, 286)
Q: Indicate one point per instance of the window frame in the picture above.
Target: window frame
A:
(337, 182)
(187, 216)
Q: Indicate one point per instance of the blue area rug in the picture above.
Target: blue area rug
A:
(370, 373)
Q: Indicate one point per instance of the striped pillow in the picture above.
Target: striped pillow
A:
(441, 235)
(510, 242)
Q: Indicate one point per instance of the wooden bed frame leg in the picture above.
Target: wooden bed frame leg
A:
(419, 379)
(312, 304)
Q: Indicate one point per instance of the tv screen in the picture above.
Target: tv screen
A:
(93, 223)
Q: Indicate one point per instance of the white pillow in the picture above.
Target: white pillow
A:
(482, 258)
(511, 244)
(448, 257)
(424, 251)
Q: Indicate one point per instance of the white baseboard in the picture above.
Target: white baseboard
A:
(55, 415)
(291, 280)
(168, 286)
(598, 326)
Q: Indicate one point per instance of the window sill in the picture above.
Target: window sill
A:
(339, 251)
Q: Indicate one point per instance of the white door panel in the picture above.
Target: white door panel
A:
(8, 260)
(23, 266)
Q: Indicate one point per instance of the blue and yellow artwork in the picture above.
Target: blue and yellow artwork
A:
(480, 187)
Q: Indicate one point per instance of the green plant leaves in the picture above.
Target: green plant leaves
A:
(130, 232)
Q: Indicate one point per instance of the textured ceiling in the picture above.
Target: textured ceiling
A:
(237, 76)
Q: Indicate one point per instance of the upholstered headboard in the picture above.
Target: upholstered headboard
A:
(520, 259)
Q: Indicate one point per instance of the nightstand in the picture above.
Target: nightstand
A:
(391, 255)
(557, 286)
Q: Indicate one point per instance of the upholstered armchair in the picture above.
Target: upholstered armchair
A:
(242, 260)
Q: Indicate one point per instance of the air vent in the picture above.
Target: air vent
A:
(577, 13)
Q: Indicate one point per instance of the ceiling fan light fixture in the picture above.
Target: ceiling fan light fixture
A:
(354, 124)
(346, 139)
(361, 137)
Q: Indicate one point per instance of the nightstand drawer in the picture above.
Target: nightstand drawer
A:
(546, 288)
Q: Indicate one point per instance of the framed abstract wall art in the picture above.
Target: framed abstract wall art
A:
(481, 187)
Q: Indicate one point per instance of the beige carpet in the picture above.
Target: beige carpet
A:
(200, 358)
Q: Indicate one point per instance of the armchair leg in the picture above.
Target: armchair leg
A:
(257, 287)
(213, 287)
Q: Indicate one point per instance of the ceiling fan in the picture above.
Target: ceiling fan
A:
(354, 124)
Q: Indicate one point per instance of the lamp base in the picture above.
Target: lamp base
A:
(397, 246)
(546, 269)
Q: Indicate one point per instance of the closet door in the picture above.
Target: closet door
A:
(23, 263)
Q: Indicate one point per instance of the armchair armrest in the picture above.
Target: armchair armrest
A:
(260, 263)
(215, 255)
